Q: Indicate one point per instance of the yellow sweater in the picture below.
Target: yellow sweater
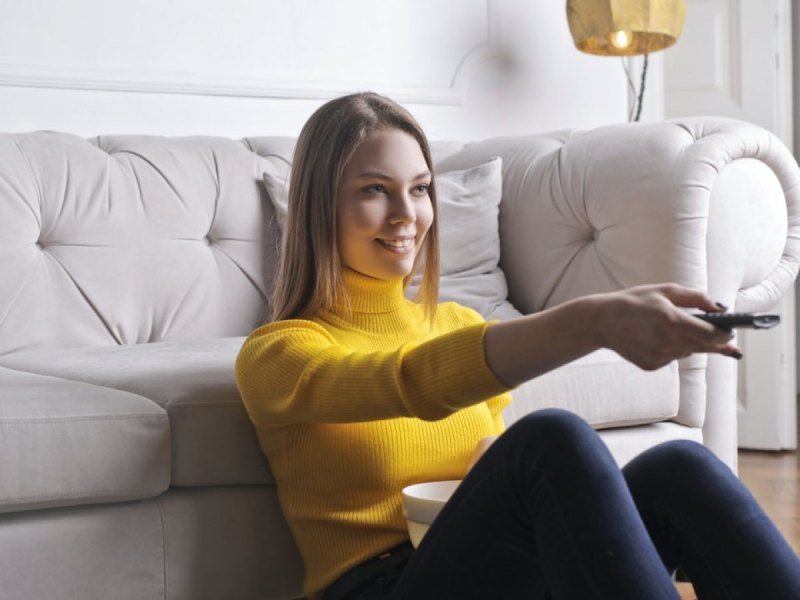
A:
(350, 407)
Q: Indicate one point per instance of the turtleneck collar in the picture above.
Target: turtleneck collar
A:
(371, 295)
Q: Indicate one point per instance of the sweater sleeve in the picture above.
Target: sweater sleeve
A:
(496, 404)
(293, 371)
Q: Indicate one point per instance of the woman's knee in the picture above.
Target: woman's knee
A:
(550, 423)
(555, 431)
(678, 455)
(677, 464)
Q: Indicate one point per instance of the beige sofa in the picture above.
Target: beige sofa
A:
(133, 266)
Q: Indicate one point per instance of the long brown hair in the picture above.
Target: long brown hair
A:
(310, 272)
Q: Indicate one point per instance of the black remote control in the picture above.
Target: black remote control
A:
(734, 320)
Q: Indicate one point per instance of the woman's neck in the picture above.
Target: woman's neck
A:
(366, 294)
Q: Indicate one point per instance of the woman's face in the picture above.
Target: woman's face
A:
(383, 207)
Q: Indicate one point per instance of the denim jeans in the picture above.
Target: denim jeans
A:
(546, 513)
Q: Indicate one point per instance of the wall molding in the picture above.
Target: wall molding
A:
(157, 82)
(420, 67)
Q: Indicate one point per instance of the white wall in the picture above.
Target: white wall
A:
(260, 67)
(796, 85)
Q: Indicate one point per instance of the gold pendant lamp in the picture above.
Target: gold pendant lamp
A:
(625, 27)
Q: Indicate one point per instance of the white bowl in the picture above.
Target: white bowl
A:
(422, 502)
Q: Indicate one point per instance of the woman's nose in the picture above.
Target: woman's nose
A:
(402, 209)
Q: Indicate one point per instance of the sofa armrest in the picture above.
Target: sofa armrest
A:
(585, 212)
(710, 203)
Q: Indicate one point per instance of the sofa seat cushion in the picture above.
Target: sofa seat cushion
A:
(213, 441)
(67, 443)
(604, 389)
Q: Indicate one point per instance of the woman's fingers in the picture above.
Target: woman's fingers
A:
(689, 298)
(704, 333)
(709, 337)
(720, 343)
(654, 328)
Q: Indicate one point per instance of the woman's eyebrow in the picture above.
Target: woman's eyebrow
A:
(384, 176)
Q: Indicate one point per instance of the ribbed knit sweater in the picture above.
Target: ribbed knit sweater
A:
(353, 404)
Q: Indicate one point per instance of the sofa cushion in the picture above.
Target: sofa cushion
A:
(213, 441)
(604, 389)
(66, 443)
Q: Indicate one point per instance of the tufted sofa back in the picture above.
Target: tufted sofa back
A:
(131, 239)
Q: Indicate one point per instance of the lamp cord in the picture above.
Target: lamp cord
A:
(490, 42)
(641, 90)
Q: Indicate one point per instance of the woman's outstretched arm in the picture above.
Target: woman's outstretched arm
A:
(645, 325)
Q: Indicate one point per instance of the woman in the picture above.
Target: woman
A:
(356, 392)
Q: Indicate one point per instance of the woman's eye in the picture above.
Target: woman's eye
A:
(376, 188)
(422, 189)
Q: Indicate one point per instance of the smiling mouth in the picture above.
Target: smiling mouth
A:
(400, 246)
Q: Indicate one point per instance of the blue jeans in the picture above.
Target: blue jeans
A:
(546, 513)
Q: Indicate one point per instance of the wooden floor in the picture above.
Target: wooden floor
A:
(772, 477)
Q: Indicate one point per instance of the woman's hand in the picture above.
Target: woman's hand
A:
(480, 448)
(645, 325)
